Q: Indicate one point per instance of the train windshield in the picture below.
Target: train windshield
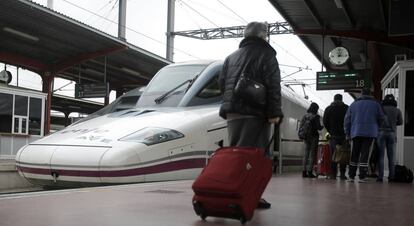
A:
(171, 77)
(169, 85)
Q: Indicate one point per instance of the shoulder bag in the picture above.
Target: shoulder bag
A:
(251, 91)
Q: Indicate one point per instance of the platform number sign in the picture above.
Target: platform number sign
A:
(333, 80)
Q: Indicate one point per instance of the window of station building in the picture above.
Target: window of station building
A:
(24, 116)
(409, 104)
(35, 116)
(20, 114)
(6, 112)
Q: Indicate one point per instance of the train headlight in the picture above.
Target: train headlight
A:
(153, 135)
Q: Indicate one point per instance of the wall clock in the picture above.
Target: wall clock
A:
(338, 55)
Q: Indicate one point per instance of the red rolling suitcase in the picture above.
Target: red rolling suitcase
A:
(323, 160)
(232, 183)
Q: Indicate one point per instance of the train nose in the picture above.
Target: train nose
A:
(33, 161)
(52, 165)
(70, 163)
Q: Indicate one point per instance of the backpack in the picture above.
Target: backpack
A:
(305, 126)
(403, 174)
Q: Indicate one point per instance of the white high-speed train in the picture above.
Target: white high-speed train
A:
(165, 133)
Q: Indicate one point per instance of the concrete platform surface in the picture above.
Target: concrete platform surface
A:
(295, 202)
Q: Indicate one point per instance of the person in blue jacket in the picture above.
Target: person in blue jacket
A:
(361, 123)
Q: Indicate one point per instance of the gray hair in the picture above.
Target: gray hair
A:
(256, 29)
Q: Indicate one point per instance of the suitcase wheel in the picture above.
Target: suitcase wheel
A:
(239, 213)
(199, 210)
(242, 220)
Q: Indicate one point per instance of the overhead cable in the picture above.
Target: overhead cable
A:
(199, 14)
(130, 29)
(232, 11)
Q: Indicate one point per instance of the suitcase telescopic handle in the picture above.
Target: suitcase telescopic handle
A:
(269, 144)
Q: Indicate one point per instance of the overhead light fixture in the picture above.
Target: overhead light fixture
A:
(132, 72)
(339, 4)
(20, 34)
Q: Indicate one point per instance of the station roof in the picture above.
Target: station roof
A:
(66, 104)
(44, 41)
(373, 31)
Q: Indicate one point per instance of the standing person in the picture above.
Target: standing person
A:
(387, 136)
(311, 139)
(249, 124)
(333, 120)
(361, 124)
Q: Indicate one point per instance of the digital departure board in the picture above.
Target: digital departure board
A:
(91, 90)
(340, 80)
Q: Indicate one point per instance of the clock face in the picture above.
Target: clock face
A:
(339, 55)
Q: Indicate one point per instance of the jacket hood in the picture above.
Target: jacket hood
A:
(255, 41)
(337, 103)
(365, 97)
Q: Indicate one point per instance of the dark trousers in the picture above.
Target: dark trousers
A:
(311, 147)
(249, 132)
(361, 146)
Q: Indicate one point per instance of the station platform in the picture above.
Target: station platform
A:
(295, 202)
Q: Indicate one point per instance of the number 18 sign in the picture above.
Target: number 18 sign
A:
(339, 80)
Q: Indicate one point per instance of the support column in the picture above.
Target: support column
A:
(170, 29)
(47, 79)
(377, 70)
(122, 20)
(50, 4)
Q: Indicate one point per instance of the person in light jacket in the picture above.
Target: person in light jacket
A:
(387, 135)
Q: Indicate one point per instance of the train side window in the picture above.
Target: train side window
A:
(209, 94)
(212, 89)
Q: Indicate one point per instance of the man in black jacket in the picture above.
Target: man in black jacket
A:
(333, 120)
(249, 123)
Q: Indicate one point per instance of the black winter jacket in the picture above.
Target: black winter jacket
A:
(258, 58)
(333, 118)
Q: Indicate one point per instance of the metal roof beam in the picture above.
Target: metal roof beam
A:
(322, 24)
(63, 65)
(232, 32)
(382, 37)
(348, 16)
(384, 17)
(22, 61)
(313, 11)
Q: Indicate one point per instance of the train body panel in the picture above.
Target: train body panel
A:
(168, 135)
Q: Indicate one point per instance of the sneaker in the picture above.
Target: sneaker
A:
(363, 180)
(343, 177)
(263, 204)
(311, 175)
(350, 180)
(379, 180)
